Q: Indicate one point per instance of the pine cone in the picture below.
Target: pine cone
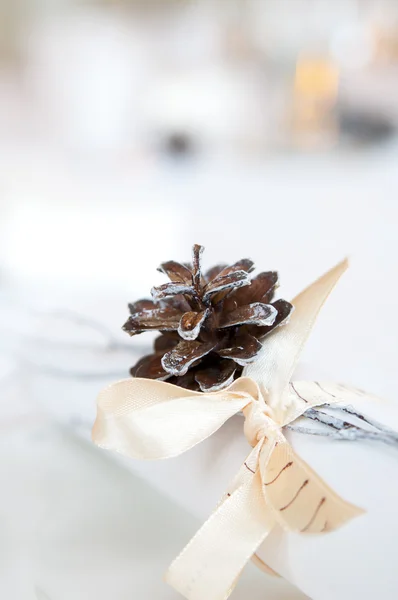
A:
(211, 325)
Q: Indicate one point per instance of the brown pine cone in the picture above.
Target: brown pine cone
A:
(211, 325)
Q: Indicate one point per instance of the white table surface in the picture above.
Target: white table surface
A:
(91, 241)
(77, 526)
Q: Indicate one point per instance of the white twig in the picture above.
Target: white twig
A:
(349, 435)
(339, 429)
(372, 422)
(325, 419)
(309, 431)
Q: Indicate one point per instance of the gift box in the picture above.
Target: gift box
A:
(340, 556)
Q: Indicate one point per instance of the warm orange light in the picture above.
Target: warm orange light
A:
(316, 77)
(316, 86)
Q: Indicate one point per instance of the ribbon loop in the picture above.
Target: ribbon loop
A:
(151, 420)
(276, 361)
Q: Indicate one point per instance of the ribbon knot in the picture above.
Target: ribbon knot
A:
(149, 419)
(259, 422)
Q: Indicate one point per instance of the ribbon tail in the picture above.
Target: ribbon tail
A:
(299, 499)
(303, 395)
(210, 565)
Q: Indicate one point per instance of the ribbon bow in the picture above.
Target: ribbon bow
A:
(149, 419)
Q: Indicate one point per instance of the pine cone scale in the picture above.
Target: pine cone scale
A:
(244, 352)
(173, 288)
(284, 310)
(223, 283)
(150, 367)
(141, 305)
(178, 360)
(191, 323)
(177, 272)
(213, 272)
(253, 314)
(261, 289)
(166, 342)
(157, 319)
(245, 264)
(216, 378)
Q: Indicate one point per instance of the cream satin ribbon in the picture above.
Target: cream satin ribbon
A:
(149, 419)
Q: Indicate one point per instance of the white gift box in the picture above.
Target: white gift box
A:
(140, 420)
(356, 560)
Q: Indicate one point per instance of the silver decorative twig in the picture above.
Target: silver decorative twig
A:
(339, 429)
(372, 422)
(350, 435)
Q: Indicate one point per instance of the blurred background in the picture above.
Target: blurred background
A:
(130, 130)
